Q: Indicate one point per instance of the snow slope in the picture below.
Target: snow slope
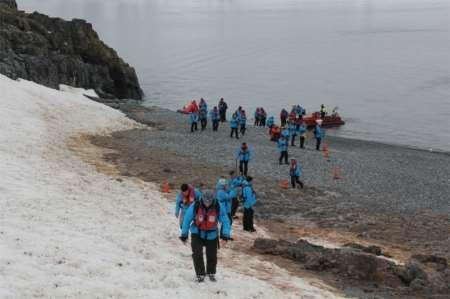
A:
(69, 231)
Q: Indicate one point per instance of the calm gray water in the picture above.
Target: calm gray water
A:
(385, 64)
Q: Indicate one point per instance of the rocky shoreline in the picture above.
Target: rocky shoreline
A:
(52, 51)
(389, 196)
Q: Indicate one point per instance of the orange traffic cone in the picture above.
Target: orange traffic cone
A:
(336, 174)
(284, 184)
(165, 188)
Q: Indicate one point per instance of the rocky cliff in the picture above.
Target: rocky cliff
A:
(52, 51)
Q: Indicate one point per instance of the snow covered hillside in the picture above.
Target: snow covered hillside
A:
(70, 231)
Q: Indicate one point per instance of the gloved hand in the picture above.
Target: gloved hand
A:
(183, 239)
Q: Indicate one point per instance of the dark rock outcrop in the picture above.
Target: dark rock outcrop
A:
(52, 51)
(360, 263)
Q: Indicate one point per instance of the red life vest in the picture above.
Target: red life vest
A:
(206, 220)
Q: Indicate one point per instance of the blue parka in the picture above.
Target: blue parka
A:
(179, 205)
(234, 123)
(224, 198)
(233, 186)
(242, 120)
(270, 121)
(248, 195)
(193, 117)
(282, 145)
(189, 225)
(244, 156)
(296, 171)
(292, 129)
(318, 132)
(285, 133)
(214, 115)
(302, 130)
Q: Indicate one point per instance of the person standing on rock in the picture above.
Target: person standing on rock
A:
(295, 172)
(244, 155)
(249, 198)
(184, 199)
(223, 110)
(193, 118)
(234, 124)
(283, 149)
(202, 220)
(215, 118)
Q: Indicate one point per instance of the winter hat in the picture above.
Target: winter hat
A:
(222, 182)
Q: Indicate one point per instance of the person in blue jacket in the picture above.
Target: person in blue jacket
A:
(270, 122)
(244, 155)
(234, 182)
(187, 195)
(215, 118)
(203, 117)
(243, 122)
(318, 134)
(302, 133)
(285, 132)
(224, 197)
(202, 220)
(193, 118)
(295, 171)
(292, 127)
(234, 124)
(249, 198)
(283, 149)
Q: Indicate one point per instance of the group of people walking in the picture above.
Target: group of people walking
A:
(208, 216)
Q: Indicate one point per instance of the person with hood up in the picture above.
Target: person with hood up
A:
(193, 118)
(202, 105)
(244, 155)
(215, 118)
(249, 198)
(295, 172)
(202, 220)
(187, 195)
(234, 124)
(222, 110)
(283, 149)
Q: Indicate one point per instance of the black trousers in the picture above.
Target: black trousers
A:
(322, 115)
(318, 141)
(257, 122)
(197, 245)
(302, 141)
(215, 125)
(283, 121)
(234, 206)
(296, 179)
(293, 140)
(248, 219)
(194, 127)
(283, 154)
(243, 128)
(203, 123)
(223, 115)
(263, 122)
(243, 167)
(234, 130)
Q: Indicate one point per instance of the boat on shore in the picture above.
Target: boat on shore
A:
(332, 120)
